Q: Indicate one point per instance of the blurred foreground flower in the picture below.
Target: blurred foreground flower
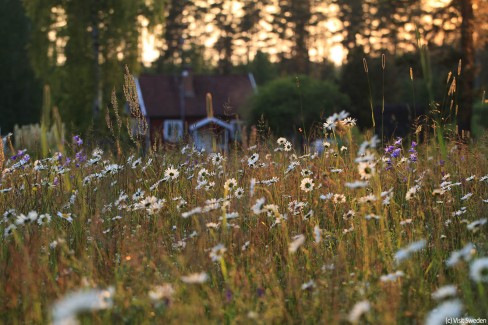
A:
(445, 291)
(405, 253)
(65, 310)
(296, 243)
(448, 309)
(478, 270)
(195, 278)
(358, 310)
(159, 292)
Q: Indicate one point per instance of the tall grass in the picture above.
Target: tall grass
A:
(318, 238)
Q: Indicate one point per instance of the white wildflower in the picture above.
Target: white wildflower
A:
(8, 231)
(191, 212)
(281, 141)
(195, 278)
(444, 292)
(317, 234)
(448, 309)
(230, 184)
(298, 241)
(358, 310)
(478, 270)
(217, 252)
(466, 253)
(171, 173)
(392, 277)
(411, 192)
(356, 184)
(307, 185)
(308, 285)
(159, 292)
(257, 208)
(476, 225)
(405, 253)
(366, 170)
(466, 197)
(287, 146)
(65, 310)
(65, 216)
(245, 246)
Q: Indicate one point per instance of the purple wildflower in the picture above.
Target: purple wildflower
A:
(19, 153)
(413, 152)
(413, 157)
(79, 157)
(228, 295)
(77, 139)
(389, 149)
(24, 159)
(396, 153)
(67, 161)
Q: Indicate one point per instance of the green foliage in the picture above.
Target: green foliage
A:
(263, 69)
(79, 49)
(20, 92)
(291, 103)
(480, 118)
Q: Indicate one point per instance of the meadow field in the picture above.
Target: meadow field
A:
(360, 233)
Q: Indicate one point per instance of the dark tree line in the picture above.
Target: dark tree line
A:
(79, 48)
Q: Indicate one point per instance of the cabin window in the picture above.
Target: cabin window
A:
(173, 130)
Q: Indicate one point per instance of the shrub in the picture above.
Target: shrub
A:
(295, 102)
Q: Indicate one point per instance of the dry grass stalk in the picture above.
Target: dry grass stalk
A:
(130, 92)
(452, 88)
(2, 155)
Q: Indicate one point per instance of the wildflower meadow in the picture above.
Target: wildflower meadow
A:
(354, 232)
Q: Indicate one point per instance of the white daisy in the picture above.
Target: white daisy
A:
(358, 310)
(444, 292)
(253, 159)
(449, 309)
(476, 225)
(281, 141)
(217, 252)
(230, 184)
(171, 173)
(366, 170)
(306, 172)
(239, 192)
(405, 253)
(43, 219)
(257, 208)
(65, 216)
(287, 146)
(466, 253)
(307, 184)
(478, 270)
(296, 243)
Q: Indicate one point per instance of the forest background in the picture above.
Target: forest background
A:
(80, 48)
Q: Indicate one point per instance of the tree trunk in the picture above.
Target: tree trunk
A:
(466, 80)
(97, 101)
(301, 14)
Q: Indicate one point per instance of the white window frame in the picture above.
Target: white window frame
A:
(169, 132)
